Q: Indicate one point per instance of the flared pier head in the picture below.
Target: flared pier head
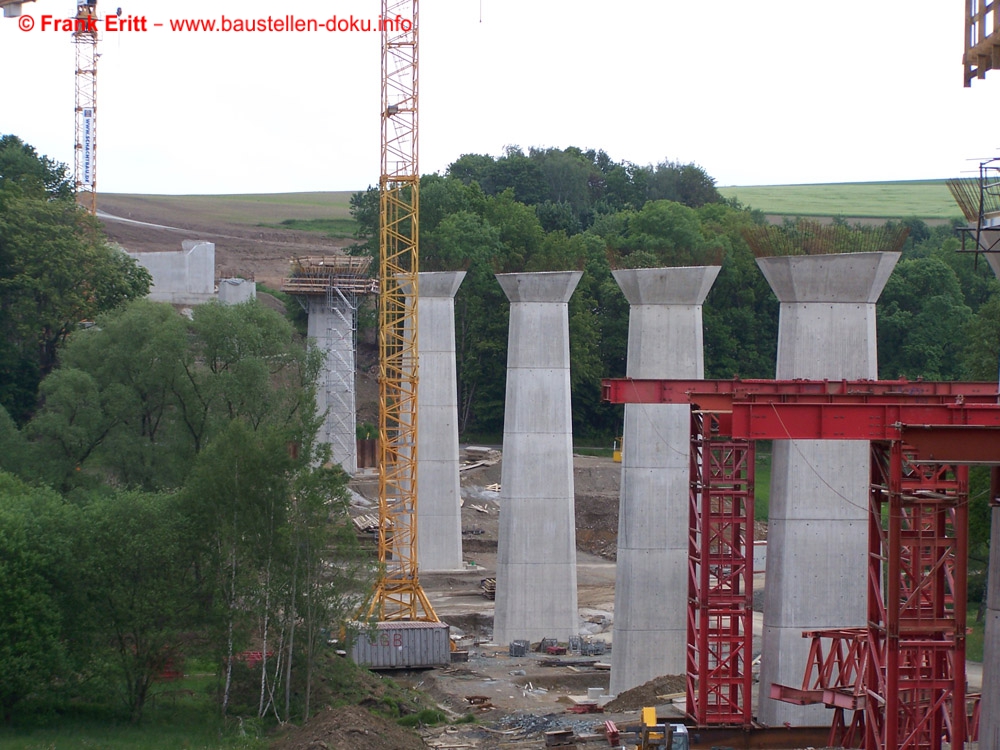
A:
(536, 551)
(817, 528)
(439, 519)
(665, 340)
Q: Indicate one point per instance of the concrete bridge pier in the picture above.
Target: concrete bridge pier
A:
(651, 582)
(331, 326)
(989, 727)
(439, 518)
(536, 553)
(817, 530)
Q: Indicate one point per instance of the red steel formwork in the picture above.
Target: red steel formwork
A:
(903, 677)
(917, 617)
(835, 675)
(901, 680)
(720, 577)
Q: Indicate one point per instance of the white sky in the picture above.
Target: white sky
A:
(765, 92)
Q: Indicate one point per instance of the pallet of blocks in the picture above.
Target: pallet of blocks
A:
(489, 587)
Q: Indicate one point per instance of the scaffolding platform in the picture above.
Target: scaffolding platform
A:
(316, 275)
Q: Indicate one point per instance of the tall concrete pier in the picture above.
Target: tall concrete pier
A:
(439, 518)
(651, 582)
(536, 552)
(817, 531)
(989, 729)
(331, 326)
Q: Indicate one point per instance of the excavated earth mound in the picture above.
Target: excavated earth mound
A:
(348, 728)
(647, 694)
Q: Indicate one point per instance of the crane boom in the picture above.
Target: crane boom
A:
(398, 594)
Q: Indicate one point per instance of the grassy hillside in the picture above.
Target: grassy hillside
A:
(329, 213)
(924, 199)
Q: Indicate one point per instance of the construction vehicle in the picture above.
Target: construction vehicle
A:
(652, 734)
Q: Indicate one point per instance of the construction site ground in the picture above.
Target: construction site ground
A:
(524, 697)
(517, 699)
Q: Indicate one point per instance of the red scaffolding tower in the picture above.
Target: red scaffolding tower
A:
(720, 576)
(903, 677)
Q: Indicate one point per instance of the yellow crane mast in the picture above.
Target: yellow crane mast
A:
(398, 594)
(85, 144)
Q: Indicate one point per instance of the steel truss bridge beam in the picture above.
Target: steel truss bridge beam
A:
(903, 677)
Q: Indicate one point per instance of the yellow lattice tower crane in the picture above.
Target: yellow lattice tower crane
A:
(398, 594)
(85, 130)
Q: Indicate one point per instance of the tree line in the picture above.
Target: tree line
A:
(162, 496)
(160, 489)
(499, 214)
(938, 316)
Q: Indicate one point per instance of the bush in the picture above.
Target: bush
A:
(428, 717)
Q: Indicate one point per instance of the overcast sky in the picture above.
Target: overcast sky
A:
(756, 92)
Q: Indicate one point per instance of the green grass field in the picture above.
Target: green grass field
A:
(330, 212)
(180, 734)
(924, 199)
(337, 227)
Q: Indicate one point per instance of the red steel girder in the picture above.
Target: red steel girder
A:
(948, 422)
(718, 395)
(720, 577)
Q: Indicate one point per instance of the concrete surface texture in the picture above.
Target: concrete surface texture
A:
(536, 593)
(989, 726)
(331, 329)
(439, 510)
(817, 527)
(991, 238)
(236, 291)
(651, 583)
(183, 277)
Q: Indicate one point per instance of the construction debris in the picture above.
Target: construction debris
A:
(481, 702)
(368, 523)
(586, 707)
(560, 738)
(477, 457)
